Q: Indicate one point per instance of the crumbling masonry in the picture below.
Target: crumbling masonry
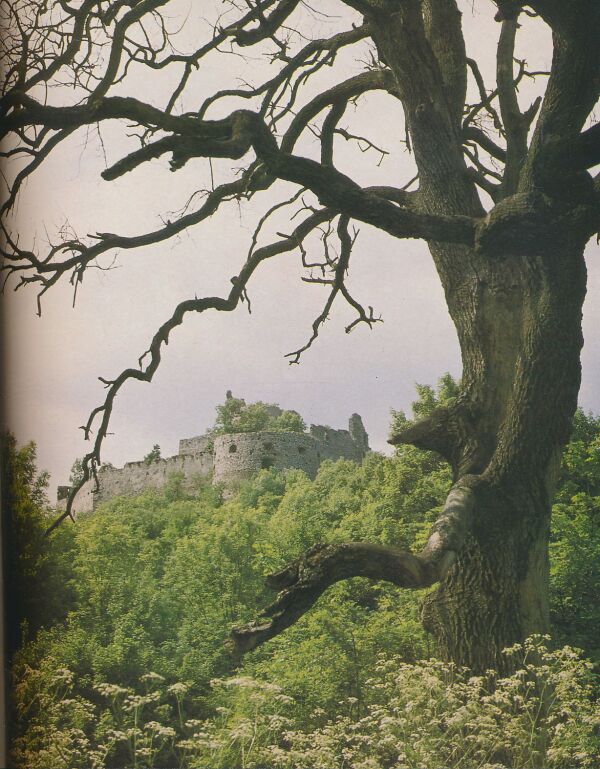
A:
(230, 458)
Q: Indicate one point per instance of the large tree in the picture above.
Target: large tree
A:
(504, 199)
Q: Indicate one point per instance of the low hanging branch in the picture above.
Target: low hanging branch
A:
(302, 582)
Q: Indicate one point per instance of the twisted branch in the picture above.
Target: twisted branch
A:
(229, 303)
(302, 582)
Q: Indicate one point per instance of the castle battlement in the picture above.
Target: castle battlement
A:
(229, 458)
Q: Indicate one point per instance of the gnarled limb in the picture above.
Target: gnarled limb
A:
(471, 133)
(268, 24)
(578, 153)
(451, 431)
(573, 88)
(302, 582)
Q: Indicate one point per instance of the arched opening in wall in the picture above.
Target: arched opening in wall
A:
(267, 462)
(301, 450)
(232, 448)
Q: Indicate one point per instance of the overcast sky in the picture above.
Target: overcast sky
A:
(52, 362)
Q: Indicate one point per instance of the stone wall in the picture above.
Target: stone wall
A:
(232, 457)
(359, 434)
(336, 444)
(84, 501)
(136, 477)
(240, 455)
(194, 445)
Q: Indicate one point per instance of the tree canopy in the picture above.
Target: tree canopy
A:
(504, 192)
(153, 455)
(237, 416)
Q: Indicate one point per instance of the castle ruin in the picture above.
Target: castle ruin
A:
(229, 458)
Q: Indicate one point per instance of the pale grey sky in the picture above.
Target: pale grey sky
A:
(53, 362)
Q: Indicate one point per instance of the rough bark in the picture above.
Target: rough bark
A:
(517, 312)
(522, 339)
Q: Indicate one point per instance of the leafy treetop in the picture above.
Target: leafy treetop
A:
(236, 416)
(153, 454)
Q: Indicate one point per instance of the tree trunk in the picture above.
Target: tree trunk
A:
(495, 594)
(518, 318)
(515, 292)
(519, 322)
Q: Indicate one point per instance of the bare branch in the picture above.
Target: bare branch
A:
(515, 125)
(483, 140)
(39, 157)
(228, 303)
(234, 136)
(481, 180)
(328, 131)
(299, 60)
(83, 254)
(339, 268)
(268, 24)
(486, 99)
(364, 143)
(342, 92)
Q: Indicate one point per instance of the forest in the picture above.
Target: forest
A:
(119, 632)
